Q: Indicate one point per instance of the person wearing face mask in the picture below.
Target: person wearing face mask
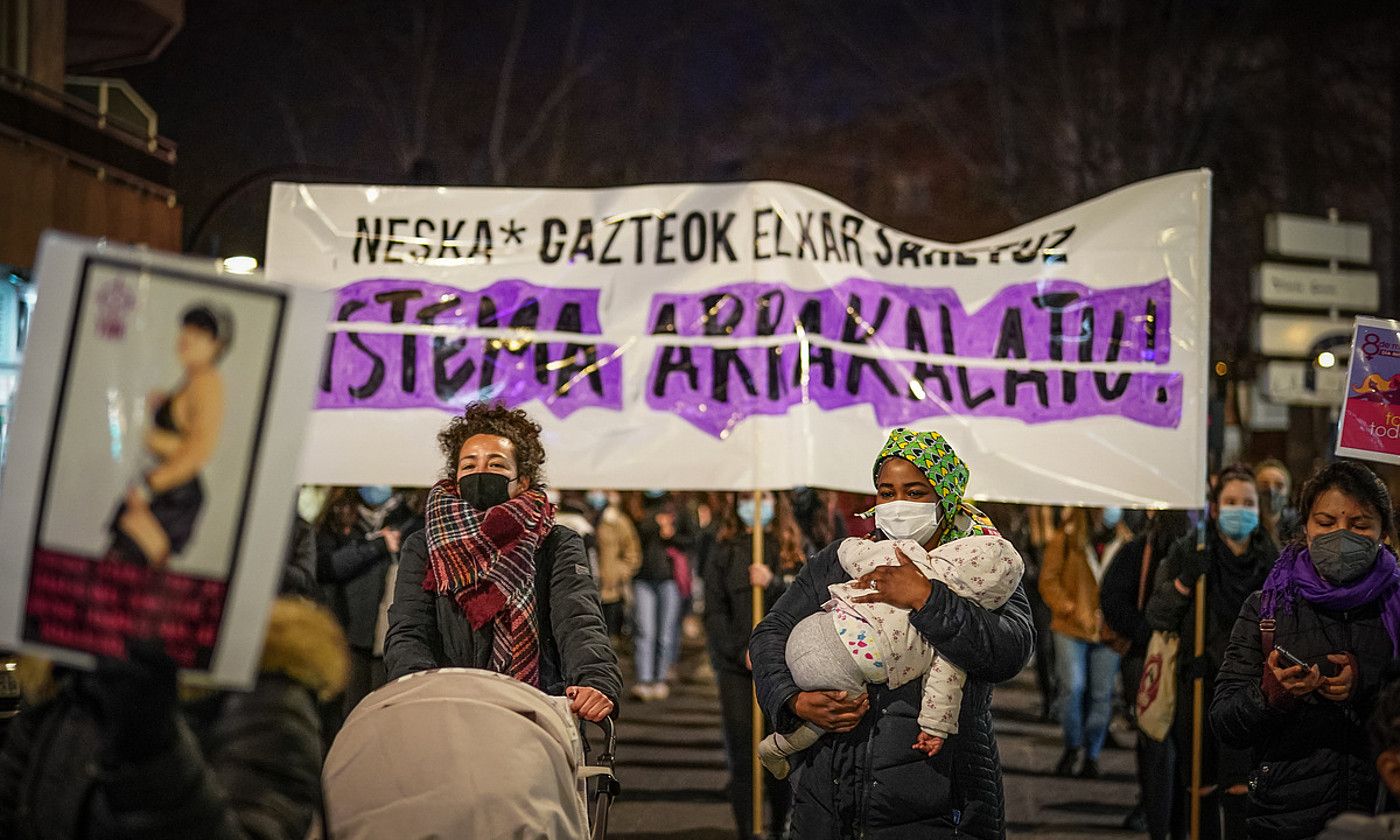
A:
(619, 557)
(860, 641)
(866, 777)
(1275, 484)
(1235, 559)
(493, 581)
(730, 574)
(667, 540)
(1332, 601)
(358, 536)
(299, 575)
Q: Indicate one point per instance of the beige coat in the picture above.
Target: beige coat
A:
(619, 554)
(1070, 586)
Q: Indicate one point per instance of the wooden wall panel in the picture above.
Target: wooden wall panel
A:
(39, 189)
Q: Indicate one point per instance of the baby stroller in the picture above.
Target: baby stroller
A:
(461, 752)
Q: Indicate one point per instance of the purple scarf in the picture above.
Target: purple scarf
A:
(1294, 577)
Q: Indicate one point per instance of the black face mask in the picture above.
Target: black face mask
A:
(484, 490)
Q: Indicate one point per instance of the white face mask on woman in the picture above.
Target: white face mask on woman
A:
(907, 520)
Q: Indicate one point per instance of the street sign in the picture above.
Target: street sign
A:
(1264, 415)
(1298, 336)
(1286, 383)
(1309, 237)
(1309, 287)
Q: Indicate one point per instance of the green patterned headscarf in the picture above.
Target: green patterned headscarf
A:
(948, 474)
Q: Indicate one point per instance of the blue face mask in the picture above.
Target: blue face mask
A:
(1112, 516)
(375, 495)
(1237, 522)
(597, 499)
(745, 511)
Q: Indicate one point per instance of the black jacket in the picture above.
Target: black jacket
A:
(245, 764)
(656, 560)
(427, 630)
(352, 569)
(870, 782)
(729, 598)
(1118, 594)
(299, 575)
(1171, 611)
(1313, 758)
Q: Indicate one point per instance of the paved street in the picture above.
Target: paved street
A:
(671, 764)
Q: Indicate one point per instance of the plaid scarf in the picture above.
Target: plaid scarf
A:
(485, 561)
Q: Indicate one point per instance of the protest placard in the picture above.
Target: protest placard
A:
(149, 489)
(1370, 421)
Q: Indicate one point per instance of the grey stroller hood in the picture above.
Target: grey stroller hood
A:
(457, 752)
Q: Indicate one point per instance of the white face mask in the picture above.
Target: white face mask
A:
(907, 520)
(311, 499)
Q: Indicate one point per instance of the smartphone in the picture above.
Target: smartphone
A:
(1289, 658)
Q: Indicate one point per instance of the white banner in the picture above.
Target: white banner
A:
(733, 336)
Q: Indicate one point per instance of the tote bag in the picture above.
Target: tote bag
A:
(1156, 697)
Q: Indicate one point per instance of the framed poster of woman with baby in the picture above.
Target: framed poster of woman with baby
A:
(150, 480)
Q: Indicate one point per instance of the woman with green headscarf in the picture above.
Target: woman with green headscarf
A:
(867, 779)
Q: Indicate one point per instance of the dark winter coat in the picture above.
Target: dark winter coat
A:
(352, 570)
(656, 557)
(1119, 595)
(428, 630)
(870, 782)
(299, 575)
(1312, 757)
(244, 765)
(1229, 580)
(729, 598)
(1169, 610)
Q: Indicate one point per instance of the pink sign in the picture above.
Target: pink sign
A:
(1370, 425)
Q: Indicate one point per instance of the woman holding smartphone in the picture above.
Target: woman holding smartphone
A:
(1234, 560)
(1331, 603)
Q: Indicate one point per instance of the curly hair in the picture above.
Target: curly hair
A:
(482, 418)
(1354, 480)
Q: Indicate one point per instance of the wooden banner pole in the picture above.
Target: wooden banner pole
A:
(757, 711)
(1197, 712)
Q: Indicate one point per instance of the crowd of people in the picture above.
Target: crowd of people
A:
(1298, 637)
(874, 664)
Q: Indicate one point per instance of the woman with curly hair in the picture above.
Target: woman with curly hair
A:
(492, 581)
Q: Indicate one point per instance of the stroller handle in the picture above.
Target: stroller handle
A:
(609, 740)
(608, 787)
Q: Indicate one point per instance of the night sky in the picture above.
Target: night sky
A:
(947, 120)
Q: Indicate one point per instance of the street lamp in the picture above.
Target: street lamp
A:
(1326, 359)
